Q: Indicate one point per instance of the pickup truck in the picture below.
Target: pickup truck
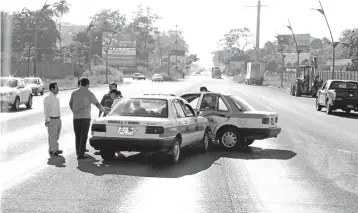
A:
(338, 94)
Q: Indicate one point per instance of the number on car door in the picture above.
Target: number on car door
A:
(183, 123)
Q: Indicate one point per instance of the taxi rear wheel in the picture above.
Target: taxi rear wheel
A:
(229, 138)
(107, 155)
(204, 144)
(175, 155)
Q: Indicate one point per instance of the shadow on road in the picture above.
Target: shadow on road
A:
(345, 115)
(58, 161)
(191, 162)
(9, 110)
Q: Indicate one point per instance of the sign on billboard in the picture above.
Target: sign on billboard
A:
(286, 43)
(291, 59)
(177, 52)
(237, 65)
(121, 48)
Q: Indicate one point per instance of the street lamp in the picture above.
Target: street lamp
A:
(283, 65)
(330, 32)
(44, 7)
(298, 72)
(90, 48)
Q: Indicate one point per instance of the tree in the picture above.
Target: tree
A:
(109, 20)
(61, 8)
(77, 52)
(351, 38)
(236, 40)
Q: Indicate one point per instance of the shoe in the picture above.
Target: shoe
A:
(82, 157)
(58, 152)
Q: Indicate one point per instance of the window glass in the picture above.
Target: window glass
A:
(209, 102)
(222, 106)
(187, 111)
(179, 109)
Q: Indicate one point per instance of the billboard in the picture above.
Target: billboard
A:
(288, 45)
(121, 49)
(291, 59)
(237, 65)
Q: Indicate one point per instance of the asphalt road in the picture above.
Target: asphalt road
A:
(311, 167)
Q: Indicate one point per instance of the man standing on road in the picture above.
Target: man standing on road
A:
(52, 119)
(80, 104)
(107, 100)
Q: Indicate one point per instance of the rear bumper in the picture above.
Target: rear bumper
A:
(129, 144)
(343, 104)
(259, 134)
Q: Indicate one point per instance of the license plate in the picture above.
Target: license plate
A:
(127, 131)
(350, 106)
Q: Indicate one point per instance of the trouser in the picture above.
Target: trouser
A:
(54, 129)
(81, 128)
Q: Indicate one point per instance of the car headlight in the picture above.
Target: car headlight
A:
(6, 94)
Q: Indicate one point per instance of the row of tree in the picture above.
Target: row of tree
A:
(40, 32)
(232, 48)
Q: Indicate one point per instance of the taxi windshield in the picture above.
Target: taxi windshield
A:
(8, 82)
(31, 80)
(141, 107)
(241, 104)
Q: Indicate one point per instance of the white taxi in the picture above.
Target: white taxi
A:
(151, 124)
(232, 120)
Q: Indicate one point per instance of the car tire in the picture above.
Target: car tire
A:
(16, 104)
(29, 102)
(107, 155)
(175, 155)
(318, 106)
(348, 111)
(42, 92)
(229, 138)
(205, 142)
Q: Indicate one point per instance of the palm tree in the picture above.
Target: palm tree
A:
(61, 8)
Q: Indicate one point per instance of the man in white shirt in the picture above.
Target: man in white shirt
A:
(52, 119)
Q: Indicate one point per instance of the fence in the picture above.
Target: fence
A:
(43, 70)
(340, 75)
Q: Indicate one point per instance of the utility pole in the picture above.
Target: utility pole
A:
(298, 72)
(258, 23)
(176, 47)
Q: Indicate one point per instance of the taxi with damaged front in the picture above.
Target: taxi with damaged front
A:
(160, 124)
(233, 121)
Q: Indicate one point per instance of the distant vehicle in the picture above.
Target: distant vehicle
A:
(36, 85)
(198, 72)
(233, 121)
(216, 72)
(255, 73)
(150, 124)
(138, 76)
(157, 77)
(14, 92)
(338, 94)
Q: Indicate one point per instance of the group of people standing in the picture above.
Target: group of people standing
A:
(80, 105)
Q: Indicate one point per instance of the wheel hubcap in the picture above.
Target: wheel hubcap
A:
(30, 101)
(229, 139)
(206, 141)
(176, 151)
(17, 103)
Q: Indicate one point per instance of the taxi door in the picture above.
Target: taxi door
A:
(214, 108)
(184, 123)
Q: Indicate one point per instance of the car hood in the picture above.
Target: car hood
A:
(7, 89)
(131, 120)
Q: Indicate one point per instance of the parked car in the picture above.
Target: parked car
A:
(36, 85)
(151, 124)
(138, 76)
(338, 94)
(157, 77)
(14, 92)
(232, 120)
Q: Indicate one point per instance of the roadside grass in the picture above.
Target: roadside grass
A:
(98, 76)
(276, 81)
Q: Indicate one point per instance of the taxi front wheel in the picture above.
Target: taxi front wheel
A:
(175, 155)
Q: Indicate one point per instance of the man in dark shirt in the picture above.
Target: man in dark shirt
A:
(107, 100)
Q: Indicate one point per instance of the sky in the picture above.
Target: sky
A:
(205, 22)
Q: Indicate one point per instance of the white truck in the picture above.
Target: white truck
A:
(255, 73)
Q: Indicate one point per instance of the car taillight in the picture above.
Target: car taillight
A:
(154, 130)
(265, 120)
(98, 128)
(276, 119)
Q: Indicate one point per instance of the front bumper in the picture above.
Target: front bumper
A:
(130, 144)
(6, 100)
